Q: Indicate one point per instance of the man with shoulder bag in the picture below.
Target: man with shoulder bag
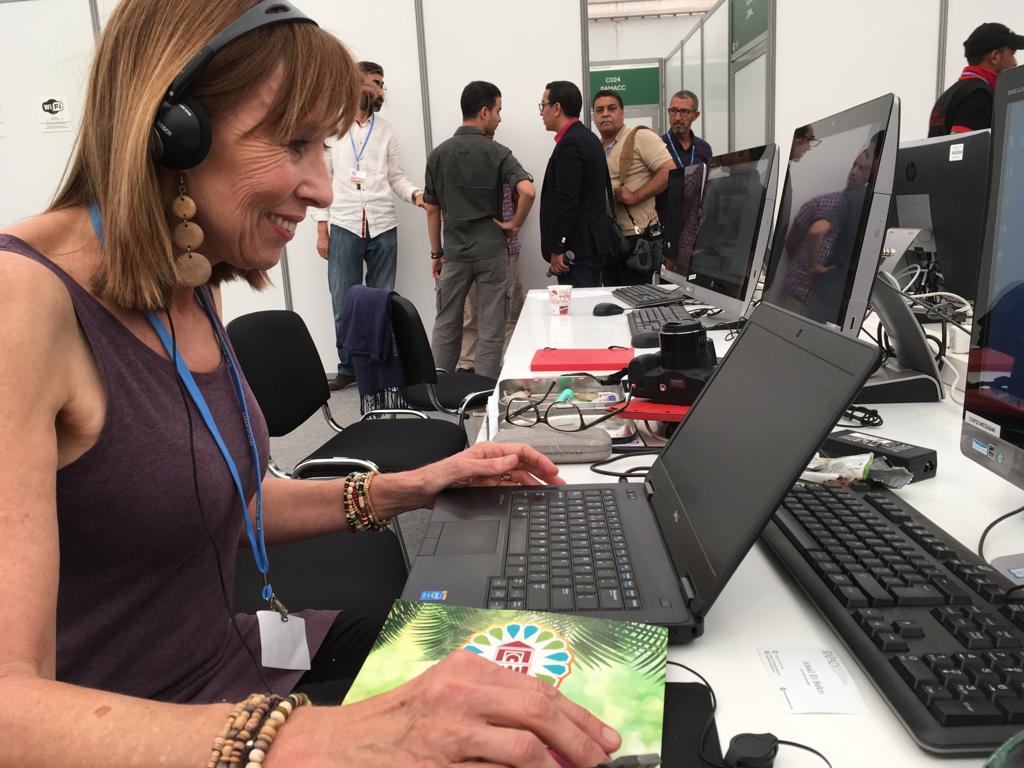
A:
(638, 165)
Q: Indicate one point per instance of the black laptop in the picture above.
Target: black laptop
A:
(659, 551)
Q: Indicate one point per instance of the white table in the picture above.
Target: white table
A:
(761, 606)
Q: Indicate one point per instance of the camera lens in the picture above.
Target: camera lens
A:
(681, 344)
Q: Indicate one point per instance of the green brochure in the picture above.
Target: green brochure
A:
(616, 669)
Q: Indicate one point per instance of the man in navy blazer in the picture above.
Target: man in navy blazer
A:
(573, 209)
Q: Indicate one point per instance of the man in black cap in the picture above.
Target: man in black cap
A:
(967, 104)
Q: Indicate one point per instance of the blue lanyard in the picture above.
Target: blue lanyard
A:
(359, 154)
(257, 539)
(675, 153)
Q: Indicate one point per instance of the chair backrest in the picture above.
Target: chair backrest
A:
(412, 341)
(282, 366)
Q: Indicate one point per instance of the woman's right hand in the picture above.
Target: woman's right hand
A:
(464, 710)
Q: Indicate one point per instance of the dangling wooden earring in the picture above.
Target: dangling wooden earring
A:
(193, 269)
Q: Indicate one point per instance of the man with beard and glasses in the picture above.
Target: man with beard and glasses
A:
(464, 183)
(361, 225)
(685, 146)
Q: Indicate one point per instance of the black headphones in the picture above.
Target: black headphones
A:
(180, 137)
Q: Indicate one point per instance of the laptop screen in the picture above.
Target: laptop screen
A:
(775, 396)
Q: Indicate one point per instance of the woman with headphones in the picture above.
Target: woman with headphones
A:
(135, 451)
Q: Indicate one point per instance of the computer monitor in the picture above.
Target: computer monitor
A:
(993, 424)
(832, 214)
(681, 214)
(941, 186)
(722, 266)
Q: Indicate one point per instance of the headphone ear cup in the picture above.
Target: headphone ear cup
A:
(181, 135)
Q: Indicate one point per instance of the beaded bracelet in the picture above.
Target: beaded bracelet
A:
(250, 730)
(257, 748)
(358, 508)
(239, 727)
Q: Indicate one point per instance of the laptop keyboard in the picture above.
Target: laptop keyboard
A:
(566, 552)
(928, 621)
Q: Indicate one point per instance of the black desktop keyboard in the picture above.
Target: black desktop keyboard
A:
(566, 551)
(927, 620)
(649, 319)
(647, 295)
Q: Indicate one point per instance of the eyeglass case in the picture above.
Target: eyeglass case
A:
(583, 447)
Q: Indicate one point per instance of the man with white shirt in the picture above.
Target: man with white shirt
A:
(361, 225)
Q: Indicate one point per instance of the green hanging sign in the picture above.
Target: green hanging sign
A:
(635, 85)
(749, 21)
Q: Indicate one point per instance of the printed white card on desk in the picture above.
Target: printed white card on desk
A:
(812, 680)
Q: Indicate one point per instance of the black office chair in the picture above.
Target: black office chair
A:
(428, 387)
(283, 368)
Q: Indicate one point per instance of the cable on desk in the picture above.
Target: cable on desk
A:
(934, 312)
(641, 471)
(740, 755)
(990, 526)
(956, 381)
(865, 417)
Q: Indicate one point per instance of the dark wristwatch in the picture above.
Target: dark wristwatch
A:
(437, 254)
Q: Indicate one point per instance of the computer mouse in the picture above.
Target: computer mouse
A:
(607, 308)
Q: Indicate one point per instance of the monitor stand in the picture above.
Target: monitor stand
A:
(911, 375)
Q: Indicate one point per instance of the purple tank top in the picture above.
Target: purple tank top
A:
(139, 605)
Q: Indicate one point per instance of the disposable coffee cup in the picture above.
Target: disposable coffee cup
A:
(559, 296)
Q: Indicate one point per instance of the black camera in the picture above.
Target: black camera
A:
(680, 370)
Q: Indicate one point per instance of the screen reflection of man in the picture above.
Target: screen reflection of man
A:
(803, 141)
(815, 249)
(832, 265)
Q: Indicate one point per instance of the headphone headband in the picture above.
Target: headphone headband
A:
(180, 137)
(260, 15)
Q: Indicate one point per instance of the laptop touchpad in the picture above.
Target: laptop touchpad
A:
(469, 537)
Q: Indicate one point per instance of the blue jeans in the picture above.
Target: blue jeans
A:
(345, 256)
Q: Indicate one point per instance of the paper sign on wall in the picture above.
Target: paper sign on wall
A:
(54, 116)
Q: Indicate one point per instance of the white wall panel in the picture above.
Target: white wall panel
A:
(478, 48)
(715, 99)
(965, 16)
(673, 75)
(828, 59)
(693, 63)
(41, 59)
(611, 40)
(105, 8)
(749, 91)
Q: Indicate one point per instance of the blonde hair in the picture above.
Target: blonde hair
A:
(143, 47)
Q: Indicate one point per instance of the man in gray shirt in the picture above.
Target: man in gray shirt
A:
(464, 180)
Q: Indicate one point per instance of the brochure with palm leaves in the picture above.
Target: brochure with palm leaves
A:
(616, 669)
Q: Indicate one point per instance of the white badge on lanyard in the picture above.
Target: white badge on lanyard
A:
(283, 641)
(358, 176)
